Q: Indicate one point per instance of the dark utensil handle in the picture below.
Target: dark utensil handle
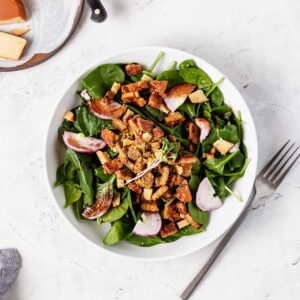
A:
(98, 11)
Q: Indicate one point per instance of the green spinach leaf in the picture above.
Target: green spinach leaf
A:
(172, 76)
(229, 133)
(201, 217)
(72, 192)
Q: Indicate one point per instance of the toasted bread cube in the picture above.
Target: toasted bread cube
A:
(174, 118)
(113, 166)
(182, 223)
(116, 199)
(192, 221)
(133, 69)
(149, 206)
(120, 183)
(128, 115)
(147, 194)
(69, 116)
(183, 193)
(103, 157)
(135, 188)
(198, 97)
(146, 78)
(222, 146)
(147, 136)
(119, 124)
(123, 174)
(178, 170)
(159, 192)
(109, 137)
(115, 87)
(168, 230)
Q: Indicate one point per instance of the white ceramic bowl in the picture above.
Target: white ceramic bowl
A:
(220, 220)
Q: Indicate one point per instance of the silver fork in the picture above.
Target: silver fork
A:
(265, 184)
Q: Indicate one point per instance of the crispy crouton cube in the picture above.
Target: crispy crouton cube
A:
(112, 166)
(223, 146)
(135, 188)
(193, 132)
(120, 183)
(123, 174)
(158, 134)
(130, 96)
(178, 170)
(135, 87)
(159, 192)
(183, 193)
(187, 159)
(133, 152)
(181, 207)
(133, 69)
(146, 181)
(187, 170)
(128, 115)
(155, 146)
(198, 97)
(128, 142)
(168, 230)
(139, 165)
(179, 180)
(109, 137)
(174, 118)
(158, 87)
(208, 156)
(69, 116)
(146, 78)
(170, 213)
(115, 87)
(192, 221)
(144, 125)
(182, 223)
(147, 194)
(155, 101)
(163, 179)
(103, 157)
(149, 206)
(147, 136)
(119, 124)
(116, 199)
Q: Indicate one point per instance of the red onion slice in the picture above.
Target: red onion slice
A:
(84, 94)
(149, 226)
(204, 126)
(82, 144)
(205, 197)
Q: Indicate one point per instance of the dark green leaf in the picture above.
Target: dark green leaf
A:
(189, 108)
(72, 192)
(172, 76)
(201, 217)
(144, 241)
(99, 172)
(216, 97)
(229, 133)
(156, 113)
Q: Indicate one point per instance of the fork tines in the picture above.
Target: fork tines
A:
(278, 166)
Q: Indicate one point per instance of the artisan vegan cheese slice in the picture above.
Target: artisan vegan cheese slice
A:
(11, 47)
(12, 11)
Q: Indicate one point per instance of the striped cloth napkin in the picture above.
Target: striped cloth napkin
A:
(9, 268)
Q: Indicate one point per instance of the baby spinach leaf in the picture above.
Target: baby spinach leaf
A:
(128, 196)
(85, 174)
(236, 162)
(188, 63)
(100, 80)
(169, 150)
(99, 172)
(189, 108)
(218, 183)
(201, 217)
(172, 76)
(196, 76)
(156, 113)
(72, 192)
(218, 164)
(188, 230)
(143, 241)
(216, 97)
(119, 231)
(78, 209)
(229, 133)
(89, 124)
(212, 137)
(111, 152)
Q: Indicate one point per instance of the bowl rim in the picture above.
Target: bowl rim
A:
(77, 77)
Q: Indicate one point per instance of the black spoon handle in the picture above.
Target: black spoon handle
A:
(98, 11)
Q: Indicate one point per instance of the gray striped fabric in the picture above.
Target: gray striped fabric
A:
(9, 268)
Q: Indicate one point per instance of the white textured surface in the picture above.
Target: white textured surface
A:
(257, 45)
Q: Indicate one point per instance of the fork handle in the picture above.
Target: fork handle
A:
(218, 250)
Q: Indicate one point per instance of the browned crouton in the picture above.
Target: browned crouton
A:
(135, 130)
(133, 152)
(119, 124)
(107, 107)
(170, 213)
(109, 137)
(183, 193)
(135, 188)
(158, 87)
(155, 146)
(123, 174)
(139, 165)
(174, 118)
(155, 101)
(187, 159)
(159, 192)
(133, 69)
(147, 136)
(194, 132)
(69, 116)
(158, 134)
(181, 207)
(146, 181)
(122, 154)
(163, 179)
(128, 115)
(144, 125)
(187, 170)
(168, 230)
(179, 180)
(192, 221)
(113, 166)
(149, 206)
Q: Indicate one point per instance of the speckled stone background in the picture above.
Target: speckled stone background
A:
(256, 44)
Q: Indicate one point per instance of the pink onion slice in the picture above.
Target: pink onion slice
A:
(234, 148)
(149, 226)
(205, 197)
(82, 144)
(204, 126)
(174, 102)
(106, 112)
(84, 94)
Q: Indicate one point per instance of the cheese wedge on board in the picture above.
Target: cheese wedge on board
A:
(11, 47)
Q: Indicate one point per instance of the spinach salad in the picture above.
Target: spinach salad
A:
(150, 153)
